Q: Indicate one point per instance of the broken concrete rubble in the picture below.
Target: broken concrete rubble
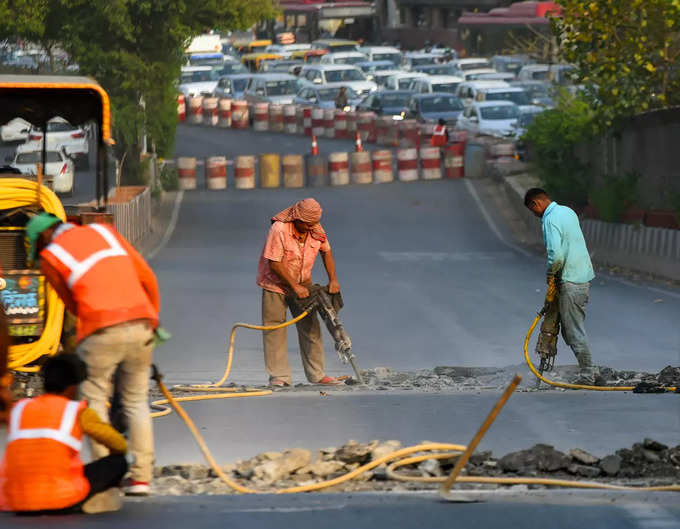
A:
(648, 462)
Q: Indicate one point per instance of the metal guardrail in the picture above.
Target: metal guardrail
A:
(133, 218)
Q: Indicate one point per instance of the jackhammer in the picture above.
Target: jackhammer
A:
(327, 306)
(546, 347)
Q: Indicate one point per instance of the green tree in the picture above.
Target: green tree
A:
(627, 49)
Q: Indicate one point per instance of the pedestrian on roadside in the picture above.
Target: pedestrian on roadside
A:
(113, 292)
(41, 471)
(569, 271)
(285, 268)
(341, 100)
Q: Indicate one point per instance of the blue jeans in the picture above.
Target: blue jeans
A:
(573, 298)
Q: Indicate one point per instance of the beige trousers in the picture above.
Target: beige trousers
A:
(128, 345)
(309, 337)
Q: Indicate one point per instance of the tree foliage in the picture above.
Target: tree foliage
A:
(553, 137)
(133, 48)
(627, 49)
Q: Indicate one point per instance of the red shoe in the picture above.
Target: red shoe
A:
(329, 381)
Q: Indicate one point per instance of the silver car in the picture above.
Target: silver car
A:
(278, 88)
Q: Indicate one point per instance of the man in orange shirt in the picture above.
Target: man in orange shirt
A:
(41, 470)
(113, 292)
(295, 239)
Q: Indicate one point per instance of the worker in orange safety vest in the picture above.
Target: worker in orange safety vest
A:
(113, 292)
(41, 470)
(440, 135)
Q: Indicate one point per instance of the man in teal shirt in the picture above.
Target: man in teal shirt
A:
(570, 270)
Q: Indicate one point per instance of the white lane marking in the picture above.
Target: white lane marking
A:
(491, 223)
(292, 509)
(439, 257)
(496, 231)
(171, 227)
(651, 516)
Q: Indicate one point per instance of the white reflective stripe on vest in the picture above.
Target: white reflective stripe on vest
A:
(62, 435)
(439, 132)
(80, 268)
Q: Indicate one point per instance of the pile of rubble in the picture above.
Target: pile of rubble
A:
(647, 463)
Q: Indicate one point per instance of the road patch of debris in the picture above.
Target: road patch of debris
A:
(648, 463)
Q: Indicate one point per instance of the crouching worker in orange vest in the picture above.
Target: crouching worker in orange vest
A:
(113, 292)
(41, 470)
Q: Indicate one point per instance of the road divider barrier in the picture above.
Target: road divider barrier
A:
(317, 122)
(293, 170)
(317, 171)
(306, 121)
(409, 133)
(351, 124)
(216, 173)
(386, 131)
(407, 165)
(276, 118)
(196, 110)
(210, 116)
(239, 115)
(244, 172)
(340, 125)
(453, 160)
(181, 108)
(361, 168)
(270, 171)
(329, 122)
(426, 132)
(502, 152)
(261, 117)
(224, 109)
(290, 119)
(338, 168)
(431, 163)
(186, 170)
(366, 126)
(382, 167)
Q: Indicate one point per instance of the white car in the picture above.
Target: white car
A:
(471, 91)
(60, 133)
(472, 75)
(59, 168)
(16, 129)
(494, 118)
(435, 83)
(198, 81)
(416, 58)
(322, 74)
(382, 53)
(344, 57)
(471, 63)
(402, 80)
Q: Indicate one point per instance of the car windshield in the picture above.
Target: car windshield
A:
(394, 58)
(338, 76)
(233, 67)
(206, 61)
(343, 47)
(239, 85)
(421, 61)
(349, 60)
(395, 100)
(473, 65)
(59, 126)
(445, 87)
(200, 76)
(282, 88)
(377, 67)
(441, 104)
(540, 75)
(537, 90)
(500, 112)
(329, 94)
(36, 157)
(519, 98)
(438, 70)
(405, 83)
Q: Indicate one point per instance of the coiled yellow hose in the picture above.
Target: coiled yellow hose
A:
(16, 193)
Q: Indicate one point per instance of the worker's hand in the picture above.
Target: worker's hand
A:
(551, 292)
(301, 291)
(333, 287)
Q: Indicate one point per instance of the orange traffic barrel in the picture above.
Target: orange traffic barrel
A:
(317, 122)
(366, 126)
(317, 171)
(340, 124)
(240, 115)
(196, 110)
(186, 168)
(338, 168)
(290, 119)
(181, 108)
(270, 170)
(453, 160)
(210, 116)
(216, 172)
(224, 111)
(261, 117)
(293, 170)
(408, 133)
(382, 166)
(276, 117)
(329, 122)
(407, 165)
(244, 172)
(361, 168)
(431, 163)
(307, 121)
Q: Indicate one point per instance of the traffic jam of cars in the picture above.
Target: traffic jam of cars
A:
(497, 96)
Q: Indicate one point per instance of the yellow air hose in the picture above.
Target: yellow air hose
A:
(564, 384)
(17, 193)
(229, 393)
(399, 458)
